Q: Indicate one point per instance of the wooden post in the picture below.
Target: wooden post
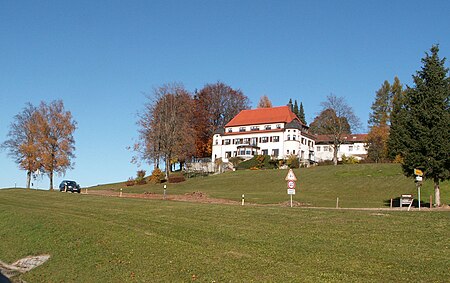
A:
(337, 202)
(391, 203)
(86, 191)
(431, 201)
(243, 199)
(120, 192)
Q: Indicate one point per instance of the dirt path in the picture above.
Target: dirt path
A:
(190, 197)
(204, 198)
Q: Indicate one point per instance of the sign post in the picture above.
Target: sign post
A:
(418, 180)
(290, 178)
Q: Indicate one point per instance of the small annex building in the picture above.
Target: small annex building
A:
(353, 145)
(275, 131)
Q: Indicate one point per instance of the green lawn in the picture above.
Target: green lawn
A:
(104, 239)
(364, 185)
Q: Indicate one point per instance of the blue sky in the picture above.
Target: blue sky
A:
(102, 57)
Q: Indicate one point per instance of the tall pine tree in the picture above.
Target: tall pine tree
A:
(295, 108)
(301, 114)
(420, 131)
(380, 120)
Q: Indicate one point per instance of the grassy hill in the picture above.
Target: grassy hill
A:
(103, 239)
(361, 185)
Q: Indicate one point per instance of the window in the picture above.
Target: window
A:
(350, 148)
(242, 129)
(287, 151)
(247, 141)
(227, 154)
(227, 141)
(254, 141)
(293, 152)
(248, 152)
(326, 148)
(288, 137)
(294, 137)
(268, 127)
(230, 130)
(275, 152)
(276, 139)
(278, 126)
(217, 142)
(242, 152)
(264, 139)
(265, 152)
(318, 148)
(254, 128)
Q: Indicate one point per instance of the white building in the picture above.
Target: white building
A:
(272, 131)
(353, 145)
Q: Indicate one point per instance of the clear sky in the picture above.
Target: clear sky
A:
(102, 57)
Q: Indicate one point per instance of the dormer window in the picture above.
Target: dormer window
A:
(278, 126)
(268, 127)
(230, 130)
(242, 129)
(254, 128)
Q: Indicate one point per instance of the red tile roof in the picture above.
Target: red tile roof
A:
(259, 116)
(345, 138)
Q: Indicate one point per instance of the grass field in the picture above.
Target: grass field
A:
(104, 239)
(364, 185)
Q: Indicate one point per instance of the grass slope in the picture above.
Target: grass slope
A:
(361, 185)
(103, 239)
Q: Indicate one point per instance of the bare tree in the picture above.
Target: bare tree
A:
(22, 143)
(166, 125)
(55, 134)
(336, 120)
(264, 102)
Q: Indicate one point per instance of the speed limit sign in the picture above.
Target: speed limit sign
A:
(291, 184)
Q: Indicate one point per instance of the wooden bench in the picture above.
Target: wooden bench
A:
(406, 199)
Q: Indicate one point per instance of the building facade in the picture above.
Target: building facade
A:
(275, 131)
(353, 145)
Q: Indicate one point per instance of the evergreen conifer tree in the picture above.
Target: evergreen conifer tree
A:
(295, 108)
(420, 131)
(301, 114)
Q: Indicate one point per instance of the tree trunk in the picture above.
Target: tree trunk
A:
(28, 179)
(167, 169)
(335, 153)
(437, 193)
(51, 180)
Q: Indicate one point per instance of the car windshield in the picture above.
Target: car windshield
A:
(70, 183)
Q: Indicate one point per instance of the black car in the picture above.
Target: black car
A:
(69, 186)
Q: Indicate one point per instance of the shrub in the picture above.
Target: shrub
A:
(176, 178)
(293, 161)
(236, 160)
(157, 176)
(349, 160)
(258, 161)
(140, 179)
(130, 182)
(325, 162)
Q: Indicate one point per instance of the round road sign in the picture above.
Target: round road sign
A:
(291, 184)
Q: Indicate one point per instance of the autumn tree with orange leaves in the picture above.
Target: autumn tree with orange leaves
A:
(215, 105)
(42, 138)
(22, 143)
(55, 138)
(264, 102)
